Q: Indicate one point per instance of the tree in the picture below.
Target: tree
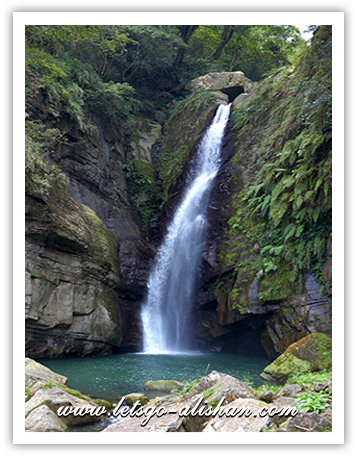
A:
(226, 35)
(186, 32)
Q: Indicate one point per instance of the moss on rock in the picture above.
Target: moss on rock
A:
(163, 385)
(309, 354)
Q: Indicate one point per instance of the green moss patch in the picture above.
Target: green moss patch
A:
(309, 354)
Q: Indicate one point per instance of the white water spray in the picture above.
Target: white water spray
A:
(166, 312)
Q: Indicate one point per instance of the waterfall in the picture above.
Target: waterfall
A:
(166, 312)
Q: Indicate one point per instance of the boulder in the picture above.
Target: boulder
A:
(267, 396)
(217, 385)
(282, 402)
(251, 423)
(35, 371)
(309, 422)
(163, 385)
(54, 398)
(324, 385)
(311, 353)
(231, 83)
(170, 422)
(45, 393)
(43, 419)
(289, 391)
(134, 397)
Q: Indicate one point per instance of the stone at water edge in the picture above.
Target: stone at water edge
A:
(134, 397)
(163, 385)
(35, 371)
(309, 354)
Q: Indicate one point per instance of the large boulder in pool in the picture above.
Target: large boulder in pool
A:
(163, 385)
(311, 353)
(137, 397)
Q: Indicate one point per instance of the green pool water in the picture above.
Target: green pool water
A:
(115, 376)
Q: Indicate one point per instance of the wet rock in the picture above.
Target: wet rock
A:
(131, 399)
(163, 386)
(311, 353)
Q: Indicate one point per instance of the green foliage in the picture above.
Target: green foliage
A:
(253, 49)
(210, 392)
(75, 393)
(120, 69)
(146, 193)
(274, 388)
(285, 212)
(195, 102)
(114, 101)
(50, 76)
(313, 402)
(188, 387)
(69, 68)
(39, 143)
(309, 379)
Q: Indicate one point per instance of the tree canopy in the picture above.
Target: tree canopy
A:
(123, 69)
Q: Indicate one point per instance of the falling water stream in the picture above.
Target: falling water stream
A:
(166, 312)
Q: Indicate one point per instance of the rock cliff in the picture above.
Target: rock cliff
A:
(91, 239)
(86, 259)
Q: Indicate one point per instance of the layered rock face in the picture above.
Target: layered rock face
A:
(86, 260)
(72, 279)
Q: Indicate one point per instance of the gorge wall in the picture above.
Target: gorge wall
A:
(90, 241)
